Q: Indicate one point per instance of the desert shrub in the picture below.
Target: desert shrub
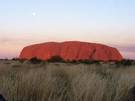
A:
(15, 59)
(72, 61)
(89, 61)
(85, 61)
(35, 60)
(56, 59)
(95, 62)
(22, 60)
(126, 62)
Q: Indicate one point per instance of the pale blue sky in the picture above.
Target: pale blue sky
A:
(23, 22)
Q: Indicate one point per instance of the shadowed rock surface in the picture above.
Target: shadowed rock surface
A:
(71, 50)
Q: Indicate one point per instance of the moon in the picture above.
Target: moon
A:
(34, 14)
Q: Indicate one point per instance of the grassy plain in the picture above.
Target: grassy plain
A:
(43, 81)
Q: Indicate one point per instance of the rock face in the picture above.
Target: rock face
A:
(71, 50)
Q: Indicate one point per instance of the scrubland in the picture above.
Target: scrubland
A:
(44, 81)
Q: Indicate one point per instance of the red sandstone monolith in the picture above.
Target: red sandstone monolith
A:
(71, 50)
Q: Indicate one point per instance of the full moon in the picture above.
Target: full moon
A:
(34, 14)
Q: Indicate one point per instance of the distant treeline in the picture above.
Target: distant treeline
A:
(34, 60)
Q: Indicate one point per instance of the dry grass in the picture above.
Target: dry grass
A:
(64, 82)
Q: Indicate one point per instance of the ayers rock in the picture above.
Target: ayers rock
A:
(71, 50)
